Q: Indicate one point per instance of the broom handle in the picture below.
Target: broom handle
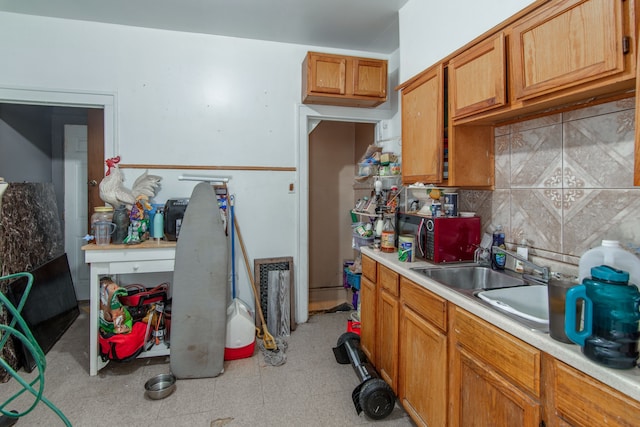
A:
(249, 272)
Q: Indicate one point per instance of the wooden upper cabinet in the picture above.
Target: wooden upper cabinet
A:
(569, 43)
(327, 74)
(477, 78)
(343, 80)
(370, 78)
(423, 127)
(636, 174)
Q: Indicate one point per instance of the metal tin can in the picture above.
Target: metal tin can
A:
(450, 204)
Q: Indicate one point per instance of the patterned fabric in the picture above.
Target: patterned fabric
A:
(30, 235)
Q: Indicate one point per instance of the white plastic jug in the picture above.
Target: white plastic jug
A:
(612, 254)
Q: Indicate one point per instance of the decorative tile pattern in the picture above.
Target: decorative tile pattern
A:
(537, 218)
(599, 149)
(565, 183)
(534, 156)
(502, 155)
(602, 214)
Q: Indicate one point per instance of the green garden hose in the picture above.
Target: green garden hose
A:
(31, 345)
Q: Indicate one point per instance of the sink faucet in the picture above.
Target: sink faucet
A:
(543, 270)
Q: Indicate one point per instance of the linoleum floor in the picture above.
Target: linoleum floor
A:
(310, 389)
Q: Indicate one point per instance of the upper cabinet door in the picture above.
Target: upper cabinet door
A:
(327, 74)
(567, 44)
(370, 77)
(346, 81)
(423, 128)
(477, 78)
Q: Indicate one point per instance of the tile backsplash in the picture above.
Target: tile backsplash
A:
(564, 182)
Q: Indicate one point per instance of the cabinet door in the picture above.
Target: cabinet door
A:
(477, 78)
(595, 404)
(370, 78)
(369, 268)
(471, 156)
(327, 74)
(636, 173)
(423, 369)
(387, 344)
(423, 128)
(484, 398)
(368, 320)
(566, 44)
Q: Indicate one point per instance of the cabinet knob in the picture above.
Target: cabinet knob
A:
(136, 267)
(93, 183)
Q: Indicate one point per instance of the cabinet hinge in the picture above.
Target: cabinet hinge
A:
(626, 42)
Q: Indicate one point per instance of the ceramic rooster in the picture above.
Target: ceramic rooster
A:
(113, 191)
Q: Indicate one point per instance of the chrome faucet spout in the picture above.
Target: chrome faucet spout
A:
(544, 271)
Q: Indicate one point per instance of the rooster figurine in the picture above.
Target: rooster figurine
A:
(115, 193)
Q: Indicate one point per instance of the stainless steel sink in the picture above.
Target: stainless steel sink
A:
(474, 280)
(471, 277)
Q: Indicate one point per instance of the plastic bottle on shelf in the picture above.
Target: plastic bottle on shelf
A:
(498, 258)
(612, 254)
(388, 237)
(158, 225)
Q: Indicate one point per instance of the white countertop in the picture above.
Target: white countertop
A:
(626, 381)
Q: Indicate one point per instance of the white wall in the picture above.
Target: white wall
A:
(431, 30)
(189, 99)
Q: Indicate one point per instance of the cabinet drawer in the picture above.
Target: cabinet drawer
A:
(141, 266)
(388, 279)
(582, 400)
(424, 302)
(369, 268)
(513, 358)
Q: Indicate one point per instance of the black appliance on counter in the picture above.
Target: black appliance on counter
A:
(173, 213)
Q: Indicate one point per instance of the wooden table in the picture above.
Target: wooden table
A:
(109, 260)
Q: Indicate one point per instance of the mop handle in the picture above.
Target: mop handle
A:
(233, 246)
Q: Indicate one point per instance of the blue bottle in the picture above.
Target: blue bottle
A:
(498, 258)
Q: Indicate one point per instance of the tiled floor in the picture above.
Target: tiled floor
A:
(310, 389)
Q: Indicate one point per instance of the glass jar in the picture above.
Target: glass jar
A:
(102, 213)
(102, 224)
(388, 237)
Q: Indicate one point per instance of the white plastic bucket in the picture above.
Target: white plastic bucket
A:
(241, 331)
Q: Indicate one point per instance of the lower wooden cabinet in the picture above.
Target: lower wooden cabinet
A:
(387, 327)
(448, 367)
(423, 356)
(574, 398)
(387, 343)
(423, 373)
(495, 378)
(368, 321)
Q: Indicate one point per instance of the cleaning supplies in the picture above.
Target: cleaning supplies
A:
(612, 254)
(498, 258)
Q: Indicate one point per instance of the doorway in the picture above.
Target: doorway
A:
(335, 147)
(96, 112)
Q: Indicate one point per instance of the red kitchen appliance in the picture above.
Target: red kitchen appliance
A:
(440, 240)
